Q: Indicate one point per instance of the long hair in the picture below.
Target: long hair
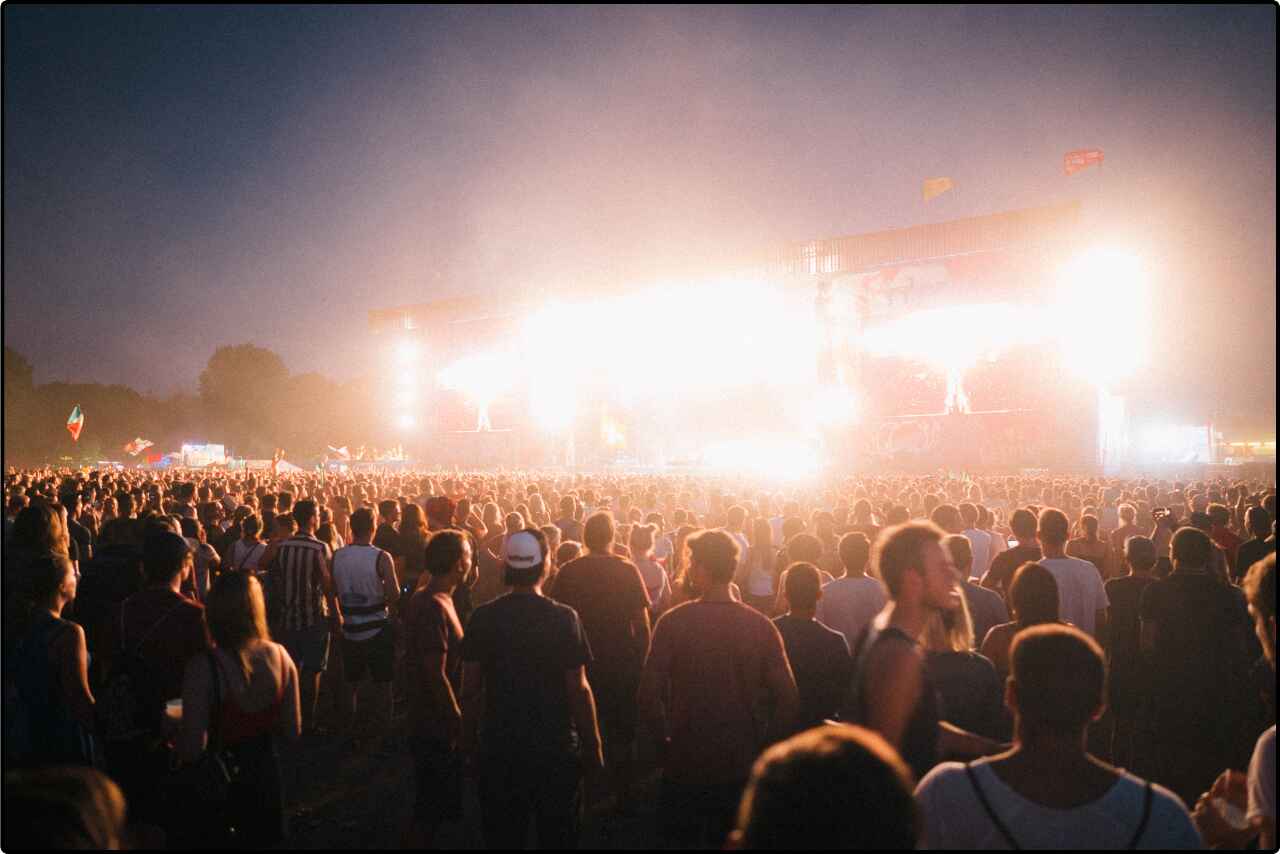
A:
(38, 527)
(950, 631)
(236, 614)
(413, 523)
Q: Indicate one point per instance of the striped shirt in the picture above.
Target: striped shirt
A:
(299, 568)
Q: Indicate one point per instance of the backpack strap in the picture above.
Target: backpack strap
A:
(991, 813)
(138, 649)
(1146, 817)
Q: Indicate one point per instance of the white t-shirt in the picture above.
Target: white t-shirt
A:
(955, 818)
(1080, 591)
(980, 544)
(848, 605)
(1262, 777)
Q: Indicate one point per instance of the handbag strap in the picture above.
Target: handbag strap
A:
(1146, 817)
(986, 805)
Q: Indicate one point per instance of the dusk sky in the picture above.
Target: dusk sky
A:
(180, 178)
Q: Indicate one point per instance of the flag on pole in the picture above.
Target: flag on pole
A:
(936, 187)
(1080, 159)
(75, 423)
(137, 446)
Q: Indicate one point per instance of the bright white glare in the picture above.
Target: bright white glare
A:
(405, 397)
(783, 459)
(482, 378)
(835, 407)
(406, 421)
(1101, 315)
(953, 338)
(407, 352)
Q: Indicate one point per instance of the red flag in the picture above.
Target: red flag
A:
(1082, 158)
(75, 423)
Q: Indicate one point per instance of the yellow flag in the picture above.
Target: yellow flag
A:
(936, 187)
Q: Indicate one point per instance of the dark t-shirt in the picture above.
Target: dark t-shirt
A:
(970, 692)
(608, 593)
(1199, 661)
(114, 574)
(821, 664)
(524, 645)
(388, 539)
(1006, 564)
(986, 609)
(431, 626)
(168, 630)
(570, 529)
(1124, 650)
(1250, 552)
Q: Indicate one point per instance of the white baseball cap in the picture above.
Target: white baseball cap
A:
(522, 551)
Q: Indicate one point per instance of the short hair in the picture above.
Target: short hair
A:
(598, 532)
(1260, 586)
(1192, 547)
(304, 511)
(362, 522)
(251, 525)
(387, 506)
(827, 788)
(1219, 514)
(1053, 527)
(164, 554)
(717, 552)
(900, 549)
(642, 537)
(285, 501)
(968, 513)
(737, 515)
(855, 551)
(1257, 521)
(566, 504)
(1140, 552)
(443, 551)
(568, 550)
(961, 551)
(946, 517)
(804, 547)
(803, 585)
(1128, 513)
(1033, 595)
(1059, 677)
(1090, 524)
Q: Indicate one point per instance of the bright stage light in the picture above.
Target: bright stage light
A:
(406, 421)
(407, 352)
(835, 407)
(782, 459)
(405, 397)
(1101, 315)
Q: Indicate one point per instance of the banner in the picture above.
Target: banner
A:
(936, 187)
(75, 423)
(1080, 159)
(137, 446)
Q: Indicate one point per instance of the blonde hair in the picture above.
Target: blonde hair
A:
(949, 631)
(237, 614)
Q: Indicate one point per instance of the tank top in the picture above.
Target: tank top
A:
(359, 589)
(919, 747)
(237, 726)
(39, 727)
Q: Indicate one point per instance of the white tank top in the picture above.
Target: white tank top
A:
(359, 589)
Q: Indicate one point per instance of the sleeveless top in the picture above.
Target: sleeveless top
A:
(39, 727)
(237, 726)
(919, 747)
(359, 589)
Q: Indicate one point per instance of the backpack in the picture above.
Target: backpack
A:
(129, 703)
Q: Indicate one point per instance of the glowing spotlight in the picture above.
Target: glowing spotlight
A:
(405, 397)
(835, 407)
(407, 352)
(781, 459)
(405, 421)
(1101, 315)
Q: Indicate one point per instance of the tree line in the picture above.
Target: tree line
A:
(246, 399)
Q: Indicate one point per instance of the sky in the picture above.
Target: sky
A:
(180, 178)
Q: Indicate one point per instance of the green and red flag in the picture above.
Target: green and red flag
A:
(75, 423)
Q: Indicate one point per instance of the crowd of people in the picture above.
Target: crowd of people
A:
(877, 661)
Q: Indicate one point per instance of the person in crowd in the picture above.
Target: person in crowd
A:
(49, 708)
(985, 607)
(755, 576)
(1125, 666)
(819, 656)
(70, 500)
(891, 691)
(609, 596)
(1082, 599)
(114, 574)
(969, 689)
(656, 583)
(305, 606)
(801, 548)
(1252, 795)
(63, 809)
(366, 587)
(37, 532)
(414, 534)
(1090, 545)
(1128, 517)
(529, 718)
(714, 661)
(850, 602)
(1047, 791)
(237, 700)
(433, 639)
(1194, 631)
(1033, 598)
(830, 788)
(1022, 523)
(388, 536)
(1258, 525)
(205, 563)
(1224, 538)
(247, 552)
(979, 541)
(570, 527)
